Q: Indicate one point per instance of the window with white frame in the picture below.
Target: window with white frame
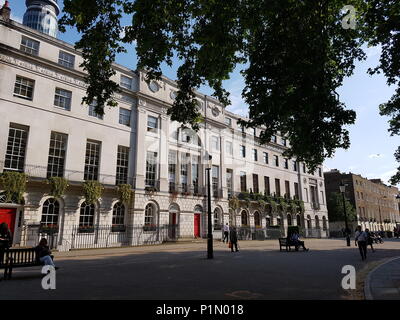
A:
(118, 217)
(93, 113)
(150, 217)
(126, 82)
(229, 147)
(30, 46)
(122, 165)
(276, 161)
(92, 160)
(255, 155)
(151, 169)
(66, 59)
(125, 117)
(57, 152)
(265, 157)
(50, 213)
(228, 121)
(16, 148)
(243, 151)
(152, 124)
(62, 99)
(86, 216)
(172, 170)
(24, 88)
(215, 143)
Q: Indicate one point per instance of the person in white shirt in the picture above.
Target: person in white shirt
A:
(226, 233)
(361, 238)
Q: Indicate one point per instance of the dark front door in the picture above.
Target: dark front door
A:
(172, 225)
(8, 216)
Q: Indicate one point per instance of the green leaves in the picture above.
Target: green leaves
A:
(295, 54)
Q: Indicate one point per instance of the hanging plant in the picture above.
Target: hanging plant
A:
(58, 186)
(125, 192)
(14, 184)
(92, 191)
(301, 207)
(293, 207)
(274, 206)
(234, 203)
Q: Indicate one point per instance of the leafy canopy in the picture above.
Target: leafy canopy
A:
(295, 54)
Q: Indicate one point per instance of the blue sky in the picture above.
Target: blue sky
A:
(372, 147)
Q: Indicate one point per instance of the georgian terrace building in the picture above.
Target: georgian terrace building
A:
(46, 132)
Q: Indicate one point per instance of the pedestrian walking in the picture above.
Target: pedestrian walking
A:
(361, 241)
(226, 233)
(233, 239)
(370, 239)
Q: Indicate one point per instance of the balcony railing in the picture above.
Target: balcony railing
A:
(41, 173)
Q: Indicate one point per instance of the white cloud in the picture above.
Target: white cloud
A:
(238, 105)
(376, 155)
(385, 177)
(373, 51)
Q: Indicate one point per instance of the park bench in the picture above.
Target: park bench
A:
(283, 242)
(17, 258)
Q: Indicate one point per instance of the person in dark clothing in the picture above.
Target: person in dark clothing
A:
(370, 239)
(233, 239)
(361, 242)
(295, 239)
(43, 253)
(5, 239)
(5, 236)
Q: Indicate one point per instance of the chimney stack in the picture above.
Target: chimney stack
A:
(5, 12)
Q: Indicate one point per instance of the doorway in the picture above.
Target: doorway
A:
(8, 216)
(197, 225)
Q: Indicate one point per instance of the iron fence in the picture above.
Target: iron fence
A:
(253, 233)
(105, 236)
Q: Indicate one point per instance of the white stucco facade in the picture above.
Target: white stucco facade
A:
(179, 196)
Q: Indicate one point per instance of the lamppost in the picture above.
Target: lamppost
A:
(210, 253)
(342, 188)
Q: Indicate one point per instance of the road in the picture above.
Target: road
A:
(181, 271)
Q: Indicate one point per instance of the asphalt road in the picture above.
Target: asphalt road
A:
(182, 272)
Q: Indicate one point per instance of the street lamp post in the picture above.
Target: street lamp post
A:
(210, 253)
(342, 188)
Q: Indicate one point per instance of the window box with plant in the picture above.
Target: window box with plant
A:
(48, 228)
(86, 229)
(118, 228)
(149, 227)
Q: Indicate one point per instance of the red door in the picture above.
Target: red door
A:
(197, 225)
(8, 216)
(172, 222)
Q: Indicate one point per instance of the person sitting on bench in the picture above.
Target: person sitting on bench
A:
(295, 239)
(44, 254)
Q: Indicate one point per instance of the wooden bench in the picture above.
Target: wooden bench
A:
(17, 258)
(283, 242)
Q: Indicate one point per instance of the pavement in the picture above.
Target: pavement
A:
(181, 271)
(383, 282)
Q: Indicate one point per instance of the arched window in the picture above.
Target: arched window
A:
(317, 222)
(118, 217)
(278, 221)
(298, 220)
(268, 221)
(50, 213)
(308, 222)
(324, 225)
(150, 217)
(289, 220)
(86, 218)
(245, 221)
(217, 219)
(257, 219)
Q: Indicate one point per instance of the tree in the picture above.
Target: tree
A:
(335, 208)
(295, 55)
